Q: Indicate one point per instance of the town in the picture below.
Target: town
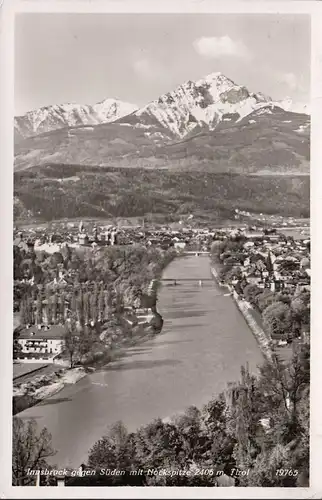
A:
(81, 296)
(262, 258)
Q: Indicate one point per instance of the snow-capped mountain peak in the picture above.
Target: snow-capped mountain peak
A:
(203, 102)
(56, 116)
(113, 109)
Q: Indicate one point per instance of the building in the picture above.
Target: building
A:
(179, 245)
(41, 342)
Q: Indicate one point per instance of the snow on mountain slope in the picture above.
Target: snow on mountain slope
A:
(212, 120)
(294, 107)
(185, 110)
(204, 102)
(112, 109)
(53, 117)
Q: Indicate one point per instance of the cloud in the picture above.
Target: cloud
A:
(215, 47)
(291, 80)
(294, 83)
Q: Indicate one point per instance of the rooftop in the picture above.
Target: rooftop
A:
(54, 332)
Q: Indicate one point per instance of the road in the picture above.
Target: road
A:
(204, 341)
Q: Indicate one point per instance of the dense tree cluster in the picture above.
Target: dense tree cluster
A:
(83, 282)
(135, 192)
(89, 293)
(30, 450)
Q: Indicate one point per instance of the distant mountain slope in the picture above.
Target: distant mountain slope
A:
(106, 144)
(49, 118)
(268, 140)
(68, 191)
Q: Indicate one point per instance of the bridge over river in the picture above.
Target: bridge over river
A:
(204, 341)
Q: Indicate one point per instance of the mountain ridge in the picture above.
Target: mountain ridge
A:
(205, 102)
(56, 116)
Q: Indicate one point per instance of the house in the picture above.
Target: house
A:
(179, 245)
(254, 280)
(254, 235)
(41, 342)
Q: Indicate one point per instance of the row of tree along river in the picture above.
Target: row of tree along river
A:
(203, 344)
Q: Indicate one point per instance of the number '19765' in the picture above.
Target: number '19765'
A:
(287, 472)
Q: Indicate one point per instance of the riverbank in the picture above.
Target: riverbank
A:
(245, 308)
(32, 392)
(39, 388)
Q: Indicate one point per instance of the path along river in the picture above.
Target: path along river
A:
(204, 341)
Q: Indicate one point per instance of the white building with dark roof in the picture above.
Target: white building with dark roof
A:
(41, 343)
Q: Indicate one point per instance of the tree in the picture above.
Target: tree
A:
(62, 307)
(54, 304)
(265, 299)
(80, 308)
(30, 311)
(115, 451)
(107, 304)
(30, 450)
(23, 314)
(277, 319)
(39, 309)
(55, 259)
(251, 292)
(265, 467)
(72, 301)
(72, 340)
(48, 308)
(66, 253)
(100, 305)
(300, 312)
(282, 387)
(220, 443)
(243, 420)
(289, 265)
(269, 263)
(233, 273)
(41, 257)
(158, 445)
(93, 307)
(86, 311)
(224, 270)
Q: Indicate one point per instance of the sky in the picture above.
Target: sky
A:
(85, 58)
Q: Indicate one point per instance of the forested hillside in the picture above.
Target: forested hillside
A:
(56, 191)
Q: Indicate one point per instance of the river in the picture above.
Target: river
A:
(203, 344)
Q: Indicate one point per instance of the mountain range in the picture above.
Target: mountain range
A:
(49, 118)
(192, 104)
(211, 126)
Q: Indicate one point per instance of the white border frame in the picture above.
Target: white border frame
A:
(7, 10)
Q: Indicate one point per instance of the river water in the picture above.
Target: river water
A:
(203, 344)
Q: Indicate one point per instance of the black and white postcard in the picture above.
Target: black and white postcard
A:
(160, 287)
